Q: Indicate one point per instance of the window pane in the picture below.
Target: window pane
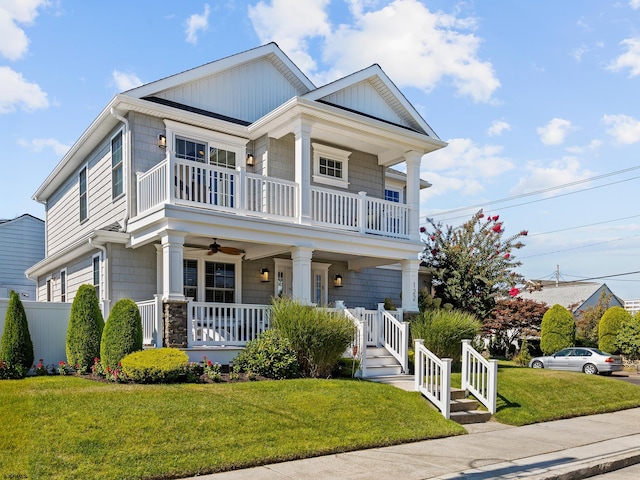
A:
(190, 150)
(392, 196)
(82, 182)
(116, 150)
(220, 282)
(222, 158)
(330, 168)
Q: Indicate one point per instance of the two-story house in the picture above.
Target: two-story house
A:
(205, 194)
(21, 245)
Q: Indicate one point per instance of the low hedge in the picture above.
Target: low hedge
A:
(161, 365)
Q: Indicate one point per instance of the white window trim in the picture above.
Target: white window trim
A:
(121, 133)
(48, 289)
(400, 191)
(209, 137)
(86, 168)
(201, 258)
(100, 289)
(332, 153)
(65, 284)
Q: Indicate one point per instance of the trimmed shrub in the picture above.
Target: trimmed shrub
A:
(628, 337)
(122, 333)
(558, 330)
(608, 328)
(85, 328)
(443, 331)
(16, 346)
(158, 365)
(270, 355)
(318, 337)
(524, 356)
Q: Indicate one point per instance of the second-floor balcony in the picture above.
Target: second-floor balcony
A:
(236, 191)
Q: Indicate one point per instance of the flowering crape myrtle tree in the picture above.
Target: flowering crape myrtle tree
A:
(472, 265)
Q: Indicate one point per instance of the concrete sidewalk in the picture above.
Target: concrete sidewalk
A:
(565, 449)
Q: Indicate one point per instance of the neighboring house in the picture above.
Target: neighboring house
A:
(632, 306)
(575, 296)
(21, 245)
(204, 194)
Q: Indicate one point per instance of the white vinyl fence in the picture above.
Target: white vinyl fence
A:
(48, 323)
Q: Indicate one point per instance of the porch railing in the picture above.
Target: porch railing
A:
(433, 378)
(186, 182)
(151, 316)
(217, 324)
(358, 347)
(479, 376)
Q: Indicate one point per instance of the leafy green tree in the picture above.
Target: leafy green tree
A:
(558, 330)
(85, 328)
(472, 265)
(587, 320)
(122, 333)
(608, 328)
(16, 347)
(628, 337)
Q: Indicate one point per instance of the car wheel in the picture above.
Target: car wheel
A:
(590, 369)
(537, 364)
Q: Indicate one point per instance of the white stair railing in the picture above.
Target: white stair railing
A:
(433, 378)
(395, 337)
(479, 376)
(358, 347)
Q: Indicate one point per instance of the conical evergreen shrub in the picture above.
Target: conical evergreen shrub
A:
(85, 328)
(608, 328)
(558, 330)
(16, 346)
(122, 333)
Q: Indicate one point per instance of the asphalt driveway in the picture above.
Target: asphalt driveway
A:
(630, 377)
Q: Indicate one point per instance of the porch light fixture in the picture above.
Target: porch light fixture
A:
(162, 141)
(337, 281)
(251, 161)
(264, 275)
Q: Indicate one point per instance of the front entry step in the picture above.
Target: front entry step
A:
(464, 410)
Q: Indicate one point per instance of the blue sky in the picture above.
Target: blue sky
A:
(539, 100)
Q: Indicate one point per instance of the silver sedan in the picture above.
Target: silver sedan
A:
(580, 359)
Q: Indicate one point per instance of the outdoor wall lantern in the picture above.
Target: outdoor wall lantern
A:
(337, 281)
(264, 275)
(162, 141)
(251, 161)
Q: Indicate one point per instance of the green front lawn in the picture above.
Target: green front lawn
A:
(68, 427)
(528, 395)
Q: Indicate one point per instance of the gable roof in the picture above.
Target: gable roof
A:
(567, 294)
(24, 216)
(270, 52)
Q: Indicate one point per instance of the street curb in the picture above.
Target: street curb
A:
(592, 467)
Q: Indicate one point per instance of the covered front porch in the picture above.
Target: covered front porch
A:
(220, 330)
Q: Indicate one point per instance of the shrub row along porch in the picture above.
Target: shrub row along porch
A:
(210, 326)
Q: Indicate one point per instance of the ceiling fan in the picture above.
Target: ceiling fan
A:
(215, 247)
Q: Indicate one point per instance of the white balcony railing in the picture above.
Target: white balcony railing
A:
(215, 324)
(185, 182)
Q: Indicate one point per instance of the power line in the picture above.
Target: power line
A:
(581, 246)
(538, 192)
(601, 277)
(584, 226)
(542, 199)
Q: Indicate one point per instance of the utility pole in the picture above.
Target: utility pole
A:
(557, 275)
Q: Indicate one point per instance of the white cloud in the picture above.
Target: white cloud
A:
(462, 166)
(497, 127)
(559, 172)
(579, 52)
(16, 91)
(196, 23)
(592, 146)
(14, 42)
(290, 23)
(624, 129)
(125, 81)
(555, 132)
(438, 46)
(630, 60)
(39, 144)
(635, 4)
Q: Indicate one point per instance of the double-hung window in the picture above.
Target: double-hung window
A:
(116, 166)
(190, 280)
(330, 165)
(63, 286)
(95, 266)
(83, 199)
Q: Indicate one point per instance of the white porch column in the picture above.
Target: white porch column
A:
(412, 160)
(172, 268)
(159, 269)
(301, 259)
(410, 285)
(302, 132)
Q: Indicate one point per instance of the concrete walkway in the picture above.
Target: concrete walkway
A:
(562, 450)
